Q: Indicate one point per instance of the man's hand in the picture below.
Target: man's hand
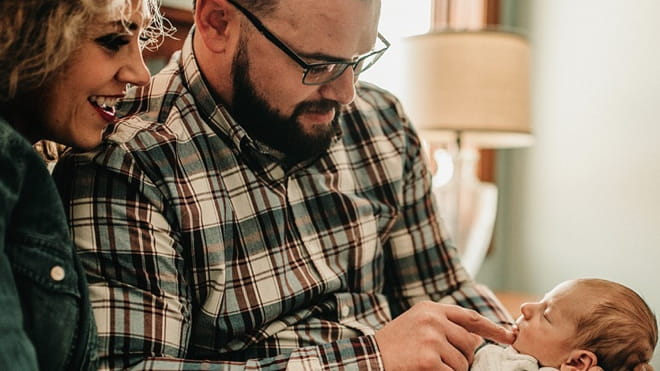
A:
(432, 336)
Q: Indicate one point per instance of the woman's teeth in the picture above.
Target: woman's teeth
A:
(106, 103)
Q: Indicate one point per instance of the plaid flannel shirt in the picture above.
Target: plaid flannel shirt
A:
(204, 252)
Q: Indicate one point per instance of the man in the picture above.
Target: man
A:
(261, 211)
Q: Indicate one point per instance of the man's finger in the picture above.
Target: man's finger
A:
(453, 357)
(463, 340)
(478, 324)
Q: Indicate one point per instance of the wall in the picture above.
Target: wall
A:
(585, 199)
(180, 4)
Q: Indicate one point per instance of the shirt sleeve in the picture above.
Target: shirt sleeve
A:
(17, 352)
(139, 281)
(424, 263)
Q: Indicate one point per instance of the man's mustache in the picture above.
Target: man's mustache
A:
(317, 107)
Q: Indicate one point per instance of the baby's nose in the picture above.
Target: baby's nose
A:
(527, 309)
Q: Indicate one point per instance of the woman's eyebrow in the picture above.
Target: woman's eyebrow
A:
(130, 26)
(120, 25)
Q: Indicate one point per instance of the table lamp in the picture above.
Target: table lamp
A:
(468, 90)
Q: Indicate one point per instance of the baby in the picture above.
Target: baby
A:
(583, 324)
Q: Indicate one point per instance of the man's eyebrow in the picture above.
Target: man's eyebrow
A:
(322, 57)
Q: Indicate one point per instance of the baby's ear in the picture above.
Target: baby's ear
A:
(580, 360)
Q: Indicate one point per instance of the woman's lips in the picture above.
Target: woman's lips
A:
(107, 114)
(105, 106)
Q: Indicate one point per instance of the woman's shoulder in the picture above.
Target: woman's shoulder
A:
(15, 150)
(20, 165)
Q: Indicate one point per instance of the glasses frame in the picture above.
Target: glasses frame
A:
(342, 66)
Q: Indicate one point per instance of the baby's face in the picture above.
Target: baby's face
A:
(547, 328)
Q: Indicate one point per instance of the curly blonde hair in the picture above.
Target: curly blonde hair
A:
(621, 329)
(39, 36)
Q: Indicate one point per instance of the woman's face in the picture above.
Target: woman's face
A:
(79, 102)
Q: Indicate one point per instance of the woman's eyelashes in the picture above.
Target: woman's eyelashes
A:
(113, 42)
(145, 41)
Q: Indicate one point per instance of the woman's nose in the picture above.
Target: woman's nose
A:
(134, 71)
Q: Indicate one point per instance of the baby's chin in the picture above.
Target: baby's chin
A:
(516, 333)
(518, 342)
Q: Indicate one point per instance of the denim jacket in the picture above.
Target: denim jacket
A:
(46, 321)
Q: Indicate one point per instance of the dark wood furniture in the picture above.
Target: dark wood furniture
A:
(182, 20)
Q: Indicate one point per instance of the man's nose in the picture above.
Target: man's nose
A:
(341, 89)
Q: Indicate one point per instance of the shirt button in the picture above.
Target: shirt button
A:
(345, 310)
(57, 273)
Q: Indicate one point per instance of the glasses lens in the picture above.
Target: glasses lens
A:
(326, 72)
(368, 61)
(320, 74)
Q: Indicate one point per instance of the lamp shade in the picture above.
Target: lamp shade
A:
(474, 84)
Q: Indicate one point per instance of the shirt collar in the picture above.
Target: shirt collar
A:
(209, 108)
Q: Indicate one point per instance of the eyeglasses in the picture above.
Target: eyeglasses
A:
(317, 73)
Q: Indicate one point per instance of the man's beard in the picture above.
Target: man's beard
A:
(266, 125)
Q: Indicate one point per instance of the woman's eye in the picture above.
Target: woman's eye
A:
(113, 42)
(145, 41)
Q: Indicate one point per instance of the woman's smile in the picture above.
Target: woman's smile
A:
(105, 106)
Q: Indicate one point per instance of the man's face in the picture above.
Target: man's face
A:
(283, 133)
(547, 328)
(269, 99)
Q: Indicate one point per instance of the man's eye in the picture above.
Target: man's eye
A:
(322, 70)
(113, 42)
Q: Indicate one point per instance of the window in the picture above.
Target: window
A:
(398, 19)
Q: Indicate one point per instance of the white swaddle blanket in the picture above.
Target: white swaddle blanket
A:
(494, 358)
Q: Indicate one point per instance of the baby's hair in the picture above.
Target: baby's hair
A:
(620, 329)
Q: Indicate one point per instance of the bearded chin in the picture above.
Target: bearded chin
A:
(266, 125)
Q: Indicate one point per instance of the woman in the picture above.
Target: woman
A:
(64, 64)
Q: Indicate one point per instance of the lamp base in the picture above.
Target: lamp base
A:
(468, 208)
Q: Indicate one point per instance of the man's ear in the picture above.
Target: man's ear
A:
(216, 22)
(579, 360)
